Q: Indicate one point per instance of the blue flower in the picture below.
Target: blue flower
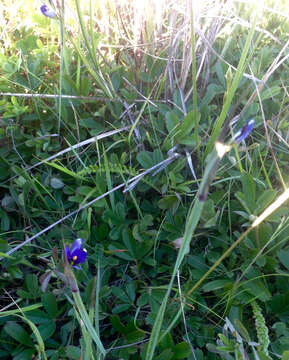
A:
(48, 11)
(76, 254)
(244, 132)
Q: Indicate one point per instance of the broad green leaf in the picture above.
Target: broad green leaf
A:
(220, 73)
(242, 330)
(283, 256)
(91, 123)
(217, 284)
(181, 351)
(18, 333)
(31, 282)
(47, 330)
(117, 324)
(270, 93)
(56, 183)
(265, 200)
(84, 190)
(5, 222)
(169, 202)
(120, 308)
(27, 44)
(172, 121)
(120, 294)
(26, 354)
(50, 304)
(143, 300)
(188, 124)
(145, 159)
(129, 243)
(73, 352)
(249, 191)
(120, 252)
(165, 355)
(167, 342)
(257, 289)
(211, 92)
(131, 291)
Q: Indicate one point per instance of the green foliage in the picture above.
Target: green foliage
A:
(132, 73)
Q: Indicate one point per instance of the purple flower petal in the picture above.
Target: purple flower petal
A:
(244, 132)
(68, 254)
(48, 12)
(76, 254)
(77, 244)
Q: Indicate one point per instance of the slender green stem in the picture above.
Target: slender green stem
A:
(194, 72)
(264, 170)
(232, 89)
(85, 318)
(218, 262)
(61, 24)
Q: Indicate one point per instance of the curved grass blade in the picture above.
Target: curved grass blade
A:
(233, 88)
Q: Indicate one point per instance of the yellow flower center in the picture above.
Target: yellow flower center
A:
(74, 258)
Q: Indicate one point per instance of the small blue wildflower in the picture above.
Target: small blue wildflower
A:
(244, 132)
(76, 254)
(48, 11)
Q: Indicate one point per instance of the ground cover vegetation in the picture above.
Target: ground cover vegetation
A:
(143, 175)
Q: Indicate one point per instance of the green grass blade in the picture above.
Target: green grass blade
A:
(88, 352)
(194, 73)
(191, 224)
(84, 33)
(40, 342)
(232, 90)
(96, 76)
(85, 318)
(108, 179)
(20, 310)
